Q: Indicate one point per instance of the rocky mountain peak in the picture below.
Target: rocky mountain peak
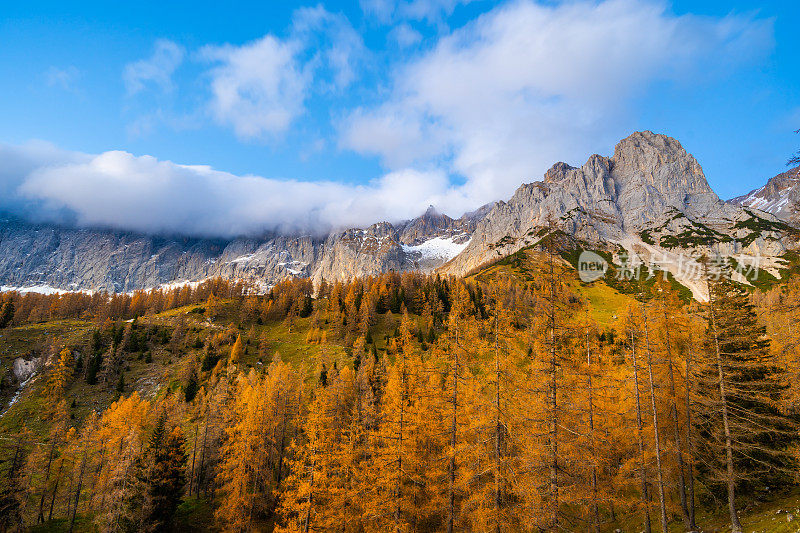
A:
(649, 159)
(434, 224)
(478, 214)
(780, 196)
(557, 172)
(650, 192)
(431, 212)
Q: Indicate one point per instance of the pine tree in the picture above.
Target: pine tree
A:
(11, 493)
(795, 159)
(747, 437)
(390, 499)
(167, 479)
(500, 492)
(639, 427)
(557, 351)
(190, 390)
(454, 369)
(323, 376)
(242, 452)
(213, 307)
(85, 444)
(6, 314)
(62, 373)
(654, 413)
(153, 481)
(553, 330)
(94, 365)
(671, 324)
(42, 460)
(121, 435)
(317, 495)
(592, 433)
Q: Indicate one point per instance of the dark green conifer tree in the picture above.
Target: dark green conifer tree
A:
(747, 436)
(6, 314)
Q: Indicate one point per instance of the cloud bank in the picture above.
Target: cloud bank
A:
(118, 190)
(488, 106)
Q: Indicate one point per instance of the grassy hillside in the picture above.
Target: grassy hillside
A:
(158, 367)
(606, 303)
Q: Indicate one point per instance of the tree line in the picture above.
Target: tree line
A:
(19, 308)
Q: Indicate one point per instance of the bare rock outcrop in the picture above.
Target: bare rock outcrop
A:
(780, 196)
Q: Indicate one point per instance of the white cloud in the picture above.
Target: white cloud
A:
(499, 100)
(260, 87)
(337, 48)
(156, 70)
(64, 78)
(257, 88)
(17, 163)
(119, 190)
(399, 137)
(432, 11)
(404, 35)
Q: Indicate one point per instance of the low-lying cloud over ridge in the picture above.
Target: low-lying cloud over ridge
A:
(118, 190)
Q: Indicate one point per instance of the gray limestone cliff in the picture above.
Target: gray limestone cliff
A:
(50, 256)
(650, 198)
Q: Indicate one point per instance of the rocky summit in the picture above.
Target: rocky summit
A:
(650, 198)
(780, 196)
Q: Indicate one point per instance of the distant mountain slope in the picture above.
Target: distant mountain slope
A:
(47, 255)
(780, 196)
(650, 199)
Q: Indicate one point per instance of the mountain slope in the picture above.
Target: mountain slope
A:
(90, 259)
(650, 199)
(780, 196)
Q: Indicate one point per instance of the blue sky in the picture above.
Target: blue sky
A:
(309, 115)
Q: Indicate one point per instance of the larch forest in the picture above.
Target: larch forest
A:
(515, 399)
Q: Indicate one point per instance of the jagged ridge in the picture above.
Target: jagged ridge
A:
(88, 259)
(780, 196)
(650, 198)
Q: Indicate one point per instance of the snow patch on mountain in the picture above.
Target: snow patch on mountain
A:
(770, 205)
(437, 248)
(243, 259)
(778, 197)
(178, 284)
(291, 267)
(38, 289)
